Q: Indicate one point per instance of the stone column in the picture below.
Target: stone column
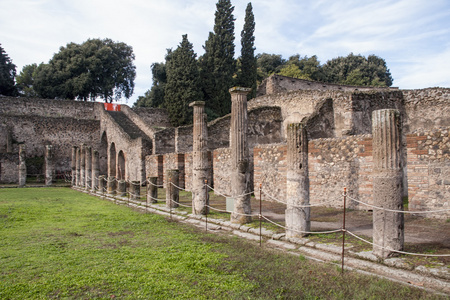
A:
(88, 170)
(152, 189)
(172, 192)
(135, 190)
(297, 182)
(240, 170)
(200, 165)
(74, 165)
(121, 188)
(78, 168)
(101, 183)
(83, 166)
(388, 227)
(48, 165)
(111, 185)
(95, 169)
(22, 166)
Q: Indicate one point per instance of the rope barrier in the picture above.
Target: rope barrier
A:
(397, 251)
(158, 186)
(180, 188)
(298, 206)
(223, 195)
(400, 211)
(299, 231)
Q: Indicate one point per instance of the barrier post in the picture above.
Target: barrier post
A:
(260, 215)
(343, 230)
(206, 204)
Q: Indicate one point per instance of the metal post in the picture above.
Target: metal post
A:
(206, 204)
(343, 230)
(260, 215)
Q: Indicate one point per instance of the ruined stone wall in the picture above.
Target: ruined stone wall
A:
(164, 141)
(280, 84)
(154, 167)
(219, 133)
(156, 117)
(174, 161)
(183, 139)
(21, 106)
(9, 167)
(333, 164)
(222, 170)
(426, 109)
(429, 171)
(37, 131)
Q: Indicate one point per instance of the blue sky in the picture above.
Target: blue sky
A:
(413, 36)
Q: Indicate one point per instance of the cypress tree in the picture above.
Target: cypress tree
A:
(183, 83)
(247, 74)
(218, 64)
(7, 74)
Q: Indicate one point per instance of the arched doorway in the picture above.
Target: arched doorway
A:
(112, 161)
(121, 175)
(103, 154)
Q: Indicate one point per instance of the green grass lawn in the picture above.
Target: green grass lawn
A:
(59, 243)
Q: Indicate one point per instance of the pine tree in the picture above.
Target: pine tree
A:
(247, 74)
(7, 74)
(183, 83)
(218, 64)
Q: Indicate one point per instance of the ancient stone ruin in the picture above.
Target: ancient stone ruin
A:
(302, 142)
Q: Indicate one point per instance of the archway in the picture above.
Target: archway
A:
(112, 161)
(103, 154)
(121, 175)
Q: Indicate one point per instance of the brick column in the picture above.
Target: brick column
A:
(48, 165)
(240, 171)
(83, 166)
(200, 165)
(172, 192)
(88, 171)
(297, 182)
(78, 167)
(388, 227)
(95, 169)
(73, 165)
(152, 189)
(121, 188)
(135, 190)
(22, 166)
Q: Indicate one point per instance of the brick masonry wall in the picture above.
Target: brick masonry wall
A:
(174, 161)
(428, 171)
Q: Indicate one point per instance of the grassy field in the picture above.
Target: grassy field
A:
(56, 243)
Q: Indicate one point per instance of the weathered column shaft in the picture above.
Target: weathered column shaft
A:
(22, 166)
(135, 190)
(95, 169)
(200, 166)
(172, 192)
(152, 189)
(88, 168)
(388, 227)
(111, 185)
(48, 165)
(240, 171)
(83, 166)
(73, 165)
(121, 188)
(101, 183)
(297, 182)
(78, 168)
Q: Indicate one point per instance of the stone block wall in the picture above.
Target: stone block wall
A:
(428, 171)
(222, 170)
(183, 139)
(164, 141)
(174, 161)
(426, 109)
(154, 167)
(9, 171)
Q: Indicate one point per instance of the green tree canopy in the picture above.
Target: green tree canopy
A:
(25, 81)
(95, 68)
(7, 74)
(268, 64)
(183, 83)
(358, 70)
(218, 65)
(155, 96)
(247, 73)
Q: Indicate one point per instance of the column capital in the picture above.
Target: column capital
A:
(197, 103)
(239, 90)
